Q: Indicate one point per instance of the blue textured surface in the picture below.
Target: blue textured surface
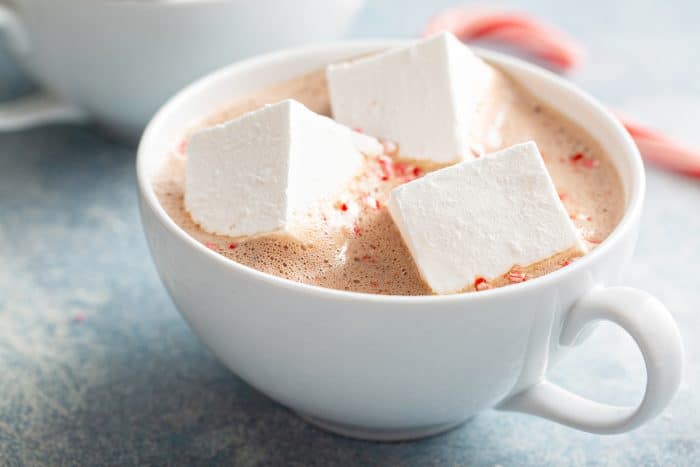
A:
(132, 385)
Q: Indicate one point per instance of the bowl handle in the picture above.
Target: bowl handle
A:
(652, 327)
(36, 109)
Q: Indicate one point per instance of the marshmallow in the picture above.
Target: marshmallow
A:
(258, 173)
(426, 97)
(480, 218)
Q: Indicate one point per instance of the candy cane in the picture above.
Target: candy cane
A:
(662, 150)
(556, 48)
(522, 31)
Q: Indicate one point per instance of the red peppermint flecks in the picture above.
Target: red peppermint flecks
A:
(344, 207)
(404, 171)
(182, 147)
(210, 245)
(359, 130)
(356, 230)
(563, 196)
(481, 284)
(568, 261)
(579, 216)
(387, 167)
(516, 275)
(407, 172)
(590, 163)
(232, 246)
(584, 161)
(401, 168)
(390, 169)
(477, 150)
(373, 202)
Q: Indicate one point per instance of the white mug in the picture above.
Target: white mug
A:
(117, 61)
(390, 367)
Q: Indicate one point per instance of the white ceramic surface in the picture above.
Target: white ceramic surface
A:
(383, 367)
(117, 61)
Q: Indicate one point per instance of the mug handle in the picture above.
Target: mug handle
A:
(652, 327)
(36, 109)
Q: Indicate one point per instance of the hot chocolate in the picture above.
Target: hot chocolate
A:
(351, 243)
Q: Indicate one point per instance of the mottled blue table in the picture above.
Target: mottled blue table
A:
(130, 384)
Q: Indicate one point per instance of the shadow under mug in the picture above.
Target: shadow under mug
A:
(117, 61)
(389, 367)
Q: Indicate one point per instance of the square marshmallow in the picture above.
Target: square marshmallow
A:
(482, 217)
(253, 174)
(425, 97)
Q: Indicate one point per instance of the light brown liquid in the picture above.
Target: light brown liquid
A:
(353, 244)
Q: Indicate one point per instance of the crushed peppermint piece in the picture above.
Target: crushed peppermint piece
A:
(516, 274)
(481, 284)
(182, 146)
(477, 150)
(579, 216)
(387, 167)
(590, 163)
(372, 202)
(584, 161)
(401, 168)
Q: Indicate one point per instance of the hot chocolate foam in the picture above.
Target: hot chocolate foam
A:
(351, 242)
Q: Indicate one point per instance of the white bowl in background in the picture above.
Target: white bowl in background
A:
(117, 61)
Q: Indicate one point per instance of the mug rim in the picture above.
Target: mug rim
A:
(632, 211)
